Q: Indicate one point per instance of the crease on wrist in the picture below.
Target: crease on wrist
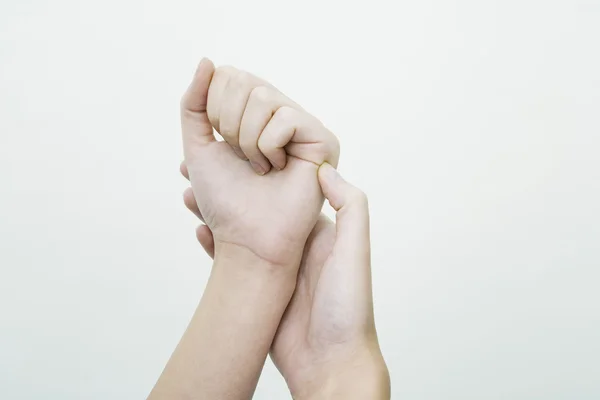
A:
(224, 249)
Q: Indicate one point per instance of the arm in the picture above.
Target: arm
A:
(223, 350)
(257, 254)
(338, 354)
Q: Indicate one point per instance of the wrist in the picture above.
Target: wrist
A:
(274, 259)
(361, 376)
(234, 262)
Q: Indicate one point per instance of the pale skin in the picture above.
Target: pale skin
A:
(284, 279)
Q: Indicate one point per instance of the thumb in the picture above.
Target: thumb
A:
(352, 215)
(195, 125)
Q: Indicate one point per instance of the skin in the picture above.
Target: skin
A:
(269, 215)
(328, 325)
(260, 192)
(326, 344)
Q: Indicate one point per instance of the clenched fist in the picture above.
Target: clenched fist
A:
(258, 189)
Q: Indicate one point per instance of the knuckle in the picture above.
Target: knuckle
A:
(286, 114)
(183, 101)
(266, 145)
(329, 148)
(225, 71)
(331, 143)
(228, 132)
(357, 197)
(335, 144)
(334, 150)
(243, 79)
(261, 93)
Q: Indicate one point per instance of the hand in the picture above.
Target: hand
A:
(270, 215)
(326, 344)
(258, 225)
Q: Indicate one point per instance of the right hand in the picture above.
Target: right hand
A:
(270, 215)
(326, 345)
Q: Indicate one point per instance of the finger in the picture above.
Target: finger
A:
(205, 237)
(190, 202)
(352, 215)
(233, 103)
(184, 171)
(256, 115)
(349, 264)
(301, 135)
(196, 127)
(215, 94)
(262, 104)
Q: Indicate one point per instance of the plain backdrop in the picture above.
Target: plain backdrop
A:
(473, 126)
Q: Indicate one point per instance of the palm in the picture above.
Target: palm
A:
(278, 209)
(319, 317)
(304, 325)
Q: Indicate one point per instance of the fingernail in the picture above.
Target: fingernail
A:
(258, 168)
(203, 61)
(329, 172)
(239, 153)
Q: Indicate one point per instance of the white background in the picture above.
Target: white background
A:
(473, 126)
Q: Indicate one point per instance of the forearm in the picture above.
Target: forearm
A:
(223, 350)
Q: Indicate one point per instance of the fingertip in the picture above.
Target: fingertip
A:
(328, 176)
(188, 199)
(260, 167)
(196, 128)
(279, 165)
(205, 68)
(239, 153)
(206, 239)
(275, 155)
(184, 171)
(351, 207)
(278, 159)
(197, 94)
(190, 203)
(338, 191)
